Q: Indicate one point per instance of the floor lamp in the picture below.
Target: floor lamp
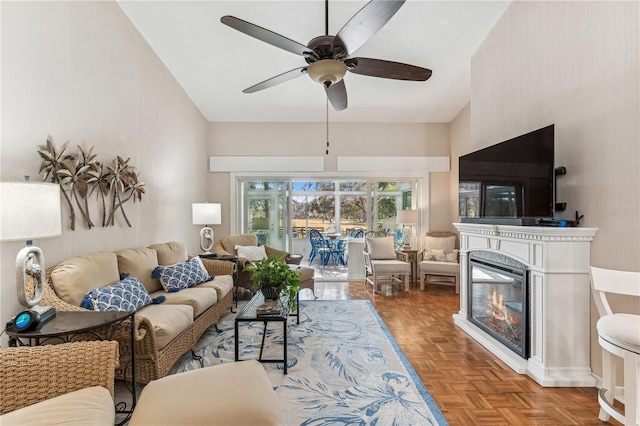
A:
(206, 214)
(30, 211)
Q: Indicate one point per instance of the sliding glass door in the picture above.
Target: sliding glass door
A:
(264, 215)
(280, 212)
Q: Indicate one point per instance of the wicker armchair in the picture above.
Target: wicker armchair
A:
(29, 375)
(226, 246)
(151, 363)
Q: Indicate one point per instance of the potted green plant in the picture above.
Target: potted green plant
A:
(275, 279)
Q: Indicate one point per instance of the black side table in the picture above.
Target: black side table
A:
(236, 277)
(66, 325)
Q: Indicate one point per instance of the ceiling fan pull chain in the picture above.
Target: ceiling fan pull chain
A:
(327, 110)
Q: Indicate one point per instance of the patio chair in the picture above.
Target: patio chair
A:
(619, 337)
(382, 261)
(319, 246)
(356, 233)
(339, 251)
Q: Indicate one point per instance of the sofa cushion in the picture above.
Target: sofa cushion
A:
(230, 394)
(435, 268)
(96, 408)
(381, 248)
(126, 295)
(200, 299)
(168, 320)
(230, 242)
(139, 262)
(170, 253)
(386, 266)
(440, 243)
(181, 275)
(440, 255)
(74, 277)
(222, 284)
(251, 253)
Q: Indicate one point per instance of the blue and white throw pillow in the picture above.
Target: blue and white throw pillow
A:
(126, 295)
(181, 275)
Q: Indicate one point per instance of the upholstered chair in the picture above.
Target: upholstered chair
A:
(439, 261)
(382, 261)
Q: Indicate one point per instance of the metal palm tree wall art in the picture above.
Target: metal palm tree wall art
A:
(81, 175)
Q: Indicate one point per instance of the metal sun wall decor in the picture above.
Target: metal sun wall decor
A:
(80, 176)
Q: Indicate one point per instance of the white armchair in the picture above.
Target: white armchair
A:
(382, 261)
(440, 261)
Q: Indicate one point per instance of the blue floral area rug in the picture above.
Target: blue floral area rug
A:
(344, 366)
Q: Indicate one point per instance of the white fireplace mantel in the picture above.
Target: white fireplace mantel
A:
(558, 259)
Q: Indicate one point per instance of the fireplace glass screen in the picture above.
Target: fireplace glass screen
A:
(499, 299)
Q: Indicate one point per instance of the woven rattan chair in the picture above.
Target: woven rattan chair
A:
(29, 375)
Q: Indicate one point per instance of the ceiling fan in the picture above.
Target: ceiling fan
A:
(328, 57)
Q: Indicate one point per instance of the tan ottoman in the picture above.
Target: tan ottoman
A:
(237, 393)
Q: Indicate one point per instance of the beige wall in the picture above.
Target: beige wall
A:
(575, 65)
(460, 145)
(81, 72)
(346, 139)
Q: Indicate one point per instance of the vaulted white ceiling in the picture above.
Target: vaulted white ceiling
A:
(214, 63)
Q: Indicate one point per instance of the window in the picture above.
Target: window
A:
(281, 211)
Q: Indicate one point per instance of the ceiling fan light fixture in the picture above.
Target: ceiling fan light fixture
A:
(327, 71)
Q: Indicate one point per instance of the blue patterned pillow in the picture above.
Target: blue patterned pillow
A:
(181, 275)
(126, 295)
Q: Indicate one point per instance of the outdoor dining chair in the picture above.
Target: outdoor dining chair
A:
(338, 252)
(319, 246)
(356, 233)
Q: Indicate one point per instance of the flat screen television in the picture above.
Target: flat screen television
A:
(512, 179)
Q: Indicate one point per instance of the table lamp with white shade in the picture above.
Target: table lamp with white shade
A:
(206, 214)
(407, 218)
(30, 211)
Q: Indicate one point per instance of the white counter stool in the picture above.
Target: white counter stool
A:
(619, 337)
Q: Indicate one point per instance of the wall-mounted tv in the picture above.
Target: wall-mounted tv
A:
(512, 179)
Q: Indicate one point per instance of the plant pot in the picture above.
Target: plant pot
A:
(271, 291)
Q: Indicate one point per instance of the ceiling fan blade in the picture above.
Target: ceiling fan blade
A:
(337, 95)
(388, 69)
(281, 78)
(265, 35)
(364, 24)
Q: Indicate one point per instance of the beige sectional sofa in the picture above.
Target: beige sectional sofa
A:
(164, 331)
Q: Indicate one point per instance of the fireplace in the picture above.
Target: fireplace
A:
(499, 299)
(541, 278)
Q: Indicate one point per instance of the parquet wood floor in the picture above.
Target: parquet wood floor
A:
(470, 385)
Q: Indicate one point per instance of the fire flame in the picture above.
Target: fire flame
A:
(500, 318)
(497, 308)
